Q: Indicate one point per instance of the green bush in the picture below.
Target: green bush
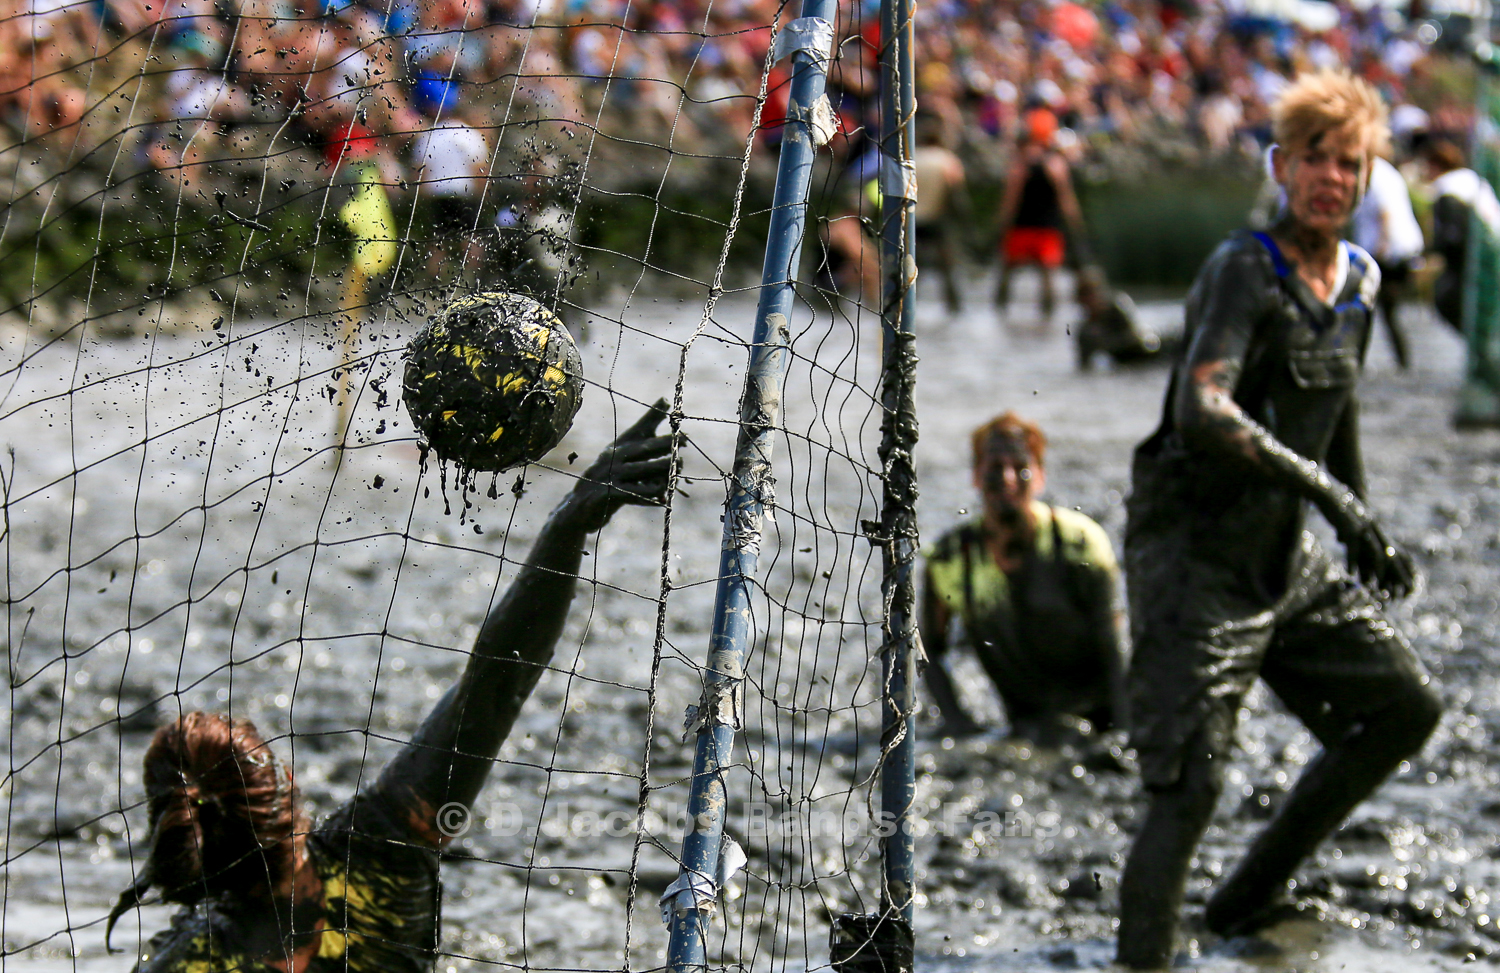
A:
(1156, 231)
(1149, 231)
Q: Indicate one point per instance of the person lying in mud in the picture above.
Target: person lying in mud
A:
(264, 891)
(1111, 326)
(1034, 586)
(1226, 583)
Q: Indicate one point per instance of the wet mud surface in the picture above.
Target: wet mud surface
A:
(236, 561)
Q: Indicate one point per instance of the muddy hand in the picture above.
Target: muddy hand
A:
(633, 469)
(1381, 563)
(1373, 557)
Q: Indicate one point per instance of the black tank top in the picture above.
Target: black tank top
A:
(1039, 206)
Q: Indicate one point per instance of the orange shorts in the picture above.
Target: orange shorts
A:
(1034, 245)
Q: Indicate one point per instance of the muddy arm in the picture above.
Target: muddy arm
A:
(1108, 622)
(451, 753)
(933, 625)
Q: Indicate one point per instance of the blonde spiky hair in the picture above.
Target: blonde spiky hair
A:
(1326, 101)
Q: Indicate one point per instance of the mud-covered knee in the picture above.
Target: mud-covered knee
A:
(1196, 790)
(1408, 721)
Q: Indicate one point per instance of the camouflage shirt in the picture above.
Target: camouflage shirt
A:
(379, 908)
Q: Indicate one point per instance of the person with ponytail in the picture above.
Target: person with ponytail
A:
(265, 890)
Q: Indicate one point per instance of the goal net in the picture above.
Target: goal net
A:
(223, 223)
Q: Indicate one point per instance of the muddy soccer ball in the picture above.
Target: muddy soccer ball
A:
(493, 381)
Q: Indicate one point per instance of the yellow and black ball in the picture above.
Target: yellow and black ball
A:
(493, 381)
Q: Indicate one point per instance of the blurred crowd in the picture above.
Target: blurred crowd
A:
(1140, 71)
(299, 70)
(424, 94)
(1124, 71)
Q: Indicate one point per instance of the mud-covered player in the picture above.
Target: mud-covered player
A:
(358, 893)
(1034, 586)
(1226, 584)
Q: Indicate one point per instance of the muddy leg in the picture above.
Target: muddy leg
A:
(1393, 328)
(1345, 773)
(948, 267)
(1002, 289)
(1151, 889)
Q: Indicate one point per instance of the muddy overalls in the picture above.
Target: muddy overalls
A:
(1225, 583)
(1046, 633)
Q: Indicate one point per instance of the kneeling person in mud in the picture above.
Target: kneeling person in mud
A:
(1226, 583)
(1034, 586)
(358, 893)
(1110, 325)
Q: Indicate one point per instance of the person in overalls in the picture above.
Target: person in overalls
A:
(1226, 583)
(1034, 587)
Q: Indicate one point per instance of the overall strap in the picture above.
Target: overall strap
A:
(1318, 314)
(1277, 259)
(963, 542)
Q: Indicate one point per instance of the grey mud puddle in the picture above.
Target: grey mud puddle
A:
(1022, 849)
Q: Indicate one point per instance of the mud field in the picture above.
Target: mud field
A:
(180, 534)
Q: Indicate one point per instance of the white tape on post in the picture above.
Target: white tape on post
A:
(811, 34)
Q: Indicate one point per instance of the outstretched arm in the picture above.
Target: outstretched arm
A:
(1210, 419)
(450, 755)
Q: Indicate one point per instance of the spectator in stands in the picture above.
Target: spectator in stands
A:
(35, 97)
(1153, 74)
(198, 90)
(450, 163)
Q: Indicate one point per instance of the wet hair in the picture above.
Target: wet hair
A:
(1444, 154)
(1321, 102)
(222, 813)
(1011, 430)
